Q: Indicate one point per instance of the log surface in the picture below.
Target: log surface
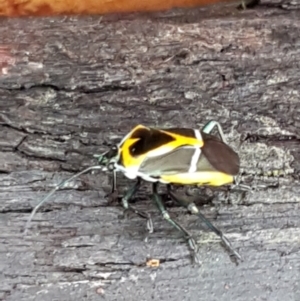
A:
(72, 86)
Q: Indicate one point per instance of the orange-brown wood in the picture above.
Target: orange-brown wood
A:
(50, 7)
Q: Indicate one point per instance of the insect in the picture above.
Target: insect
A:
(168, 156)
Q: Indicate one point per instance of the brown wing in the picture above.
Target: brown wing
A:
(219, 155)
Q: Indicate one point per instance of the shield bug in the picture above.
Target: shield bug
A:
(169, 156)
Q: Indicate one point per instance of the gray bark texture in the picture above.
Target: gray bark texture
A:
(72, 86)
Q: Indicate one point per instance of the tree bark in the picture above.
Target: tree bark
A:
(72, 86)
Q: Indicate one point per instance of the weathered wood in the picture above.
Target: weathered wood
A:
(70, 86)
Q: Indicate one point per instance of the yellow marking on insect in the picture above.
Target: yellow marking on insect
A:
(210, 178)
(136, 161)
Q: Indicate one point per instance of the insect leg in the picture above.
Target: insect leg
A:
(209, 126)
(114, 182)
(194, 210)
(128, 196)
(57, 187)
(157, 199)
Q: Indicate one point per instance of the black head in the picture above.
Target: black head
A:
(108, 158)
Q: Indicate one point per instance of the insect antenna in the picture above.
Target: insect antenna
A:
(101, 158)
(57, 187)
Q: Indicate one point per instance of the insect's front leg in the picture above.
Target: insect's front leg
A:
(125, 203)
(112, 196)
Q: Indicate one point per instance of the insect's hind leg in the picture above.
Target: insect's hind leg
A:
(209, 126)
(158, 201)
(194, 210)
(128, 196)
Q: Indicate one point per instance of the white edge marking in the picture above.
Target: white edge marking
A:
(195, 158)
(124, 138)
(198, 135)
(133, 173)
(131, 132)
